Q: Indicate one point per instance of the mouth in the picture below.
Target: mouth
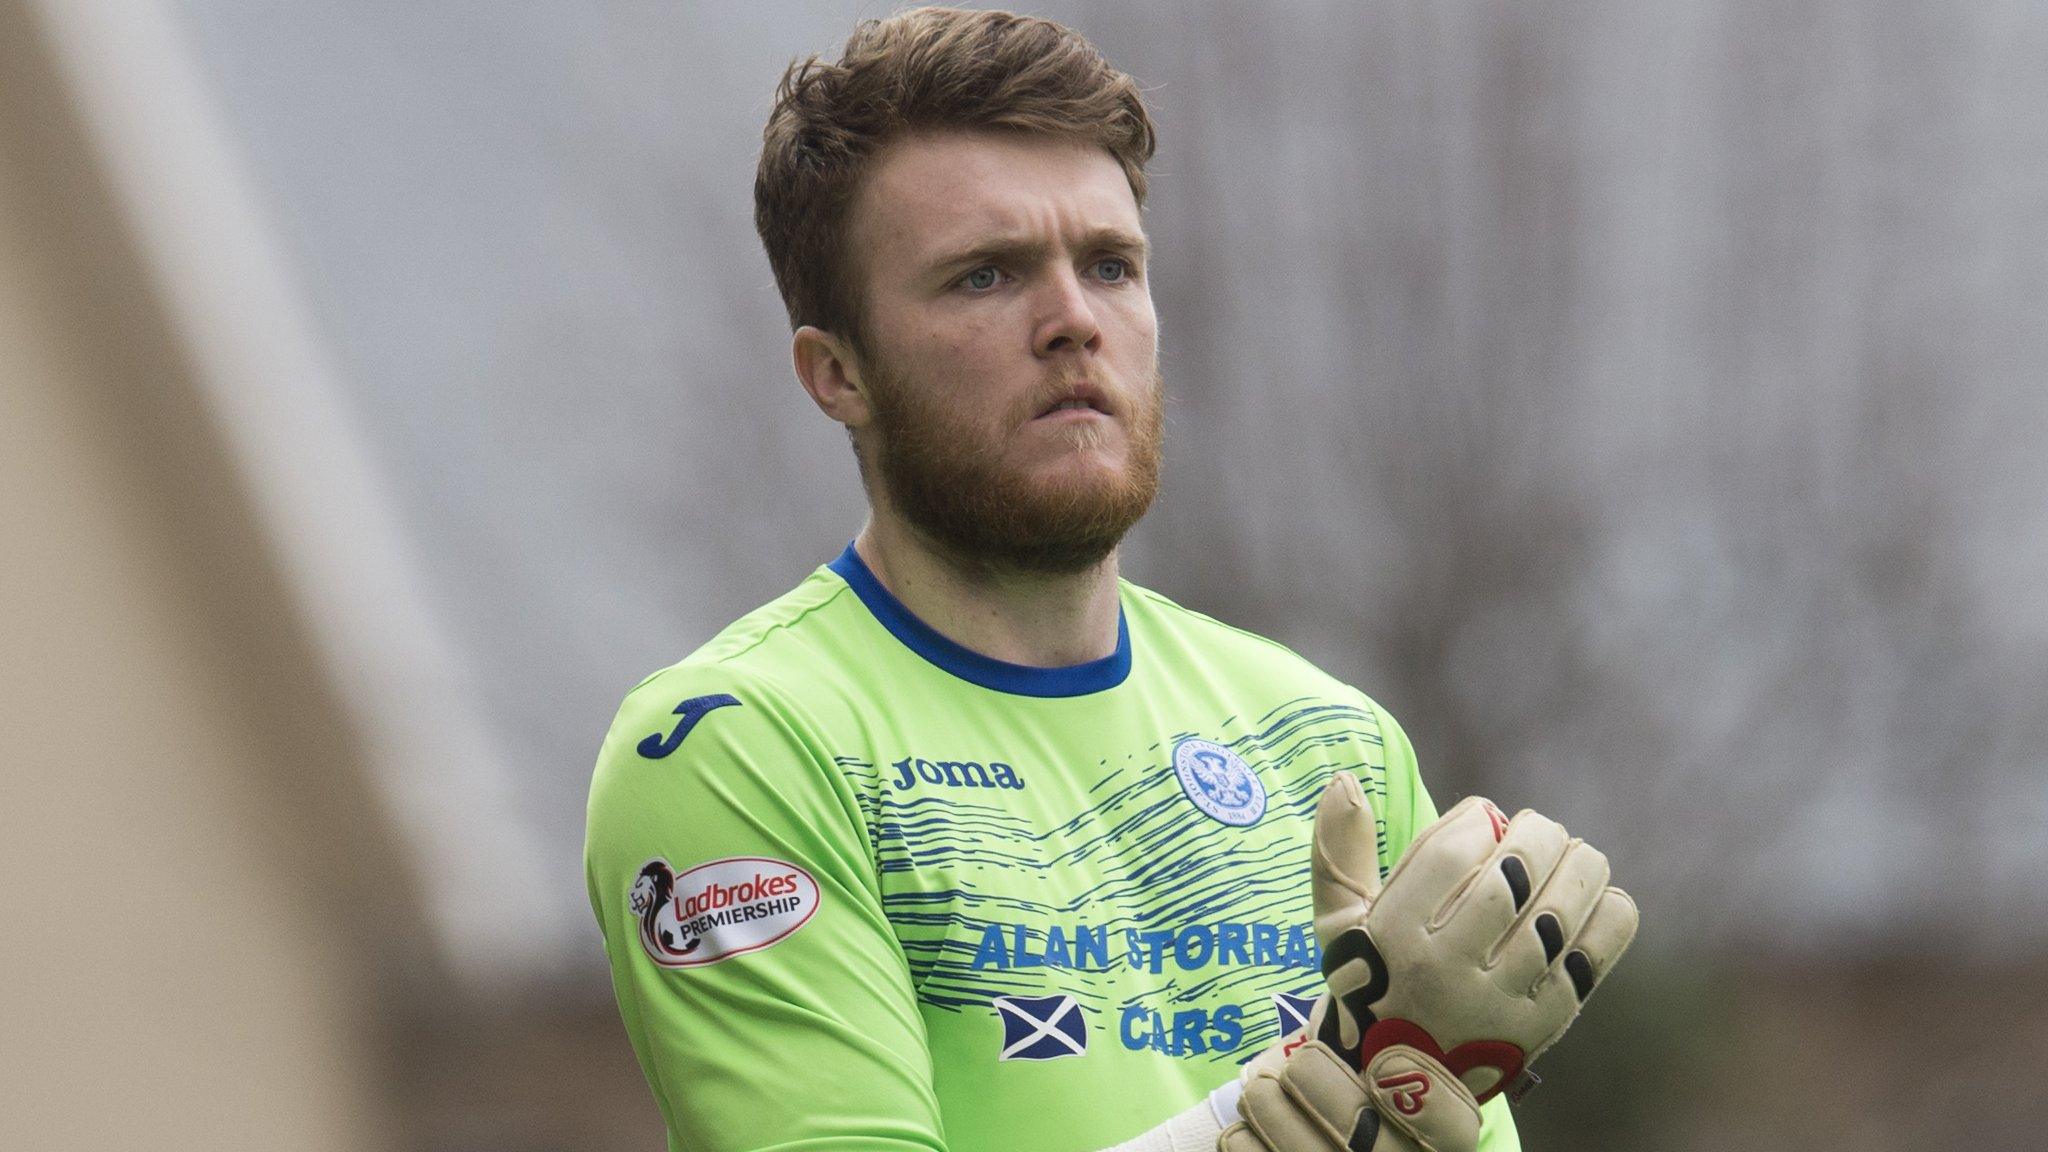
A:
(1076, 401)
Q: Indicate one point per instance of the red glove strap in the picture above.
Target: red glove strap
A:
(1499, 1055)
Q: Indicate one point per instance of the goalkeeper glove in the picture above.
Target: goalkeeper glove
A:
(1313, 1102)
(1478, 950)
(1485, 940)
(1299, 1096)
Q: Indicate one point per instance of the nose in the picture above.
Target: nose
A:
(1068, 321)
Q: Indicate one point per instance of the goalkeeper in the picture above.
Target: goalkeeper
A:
(966, 843)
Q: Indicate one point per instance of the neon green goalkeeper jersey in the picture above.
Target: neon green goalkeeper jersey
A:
(863, 888)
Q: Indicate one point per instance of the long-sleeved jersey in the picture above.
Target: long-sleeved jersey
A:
(863, 888)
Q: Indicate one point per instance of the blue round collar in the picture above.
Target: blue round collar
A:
(972, 666)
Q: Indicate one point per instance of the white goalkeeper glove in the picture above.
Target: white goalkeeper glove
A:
(1479, 949)
(1299, 1096)
(1445, 984)
(1313, 1102)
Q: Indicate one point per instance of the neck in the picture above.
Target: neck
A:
(1034, 619)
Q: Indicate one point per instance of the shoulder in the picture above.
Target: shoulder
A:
(1296, 686)
(738, 734)
(772, 650)
(1194, 635)
(778, 634)
(767, 665)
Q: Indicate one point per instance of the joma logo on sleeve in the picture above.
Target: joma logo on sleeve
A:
(692, 710)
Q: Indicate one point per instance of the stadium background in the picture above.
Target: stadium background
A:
(1644, 400)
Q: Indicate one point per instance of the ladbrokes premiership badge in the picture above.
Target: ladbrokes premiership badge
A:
(720, 909)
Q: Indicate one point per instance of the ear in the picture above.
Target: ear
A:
(830, 372)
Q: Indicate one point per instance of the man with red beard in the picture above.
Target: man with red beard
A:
(981, 846)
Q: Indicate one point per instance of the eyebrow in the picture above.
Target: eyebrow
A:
(1022, 249)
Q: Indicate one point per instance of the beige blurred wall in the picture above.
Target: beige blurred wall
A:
(203, 926)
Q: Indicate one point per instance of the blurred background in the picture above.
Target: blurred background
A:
(1644, 400)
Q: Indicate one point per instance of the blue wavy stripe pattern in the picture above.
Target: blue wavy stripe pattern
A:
(1155, 862)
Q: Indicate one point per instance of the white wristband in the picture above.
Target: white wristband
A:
(1195, 1130)
(1223, 1103)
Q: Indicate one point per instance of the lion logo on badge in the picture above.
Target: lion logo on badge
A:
(1219, 782)
(653, 891)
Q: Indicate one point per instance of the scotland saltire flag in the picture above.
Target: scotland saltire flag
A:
(1041, 1027)
(1293, 1012)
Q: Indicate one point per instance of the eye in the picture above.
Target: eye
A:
(982, 279)
(1113, 269)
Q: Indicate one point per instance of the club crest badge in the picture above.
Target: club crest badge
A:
(720, 909)
(1219, 782)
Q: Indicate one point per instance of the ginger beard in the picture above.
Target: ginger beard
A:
(948, 477)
